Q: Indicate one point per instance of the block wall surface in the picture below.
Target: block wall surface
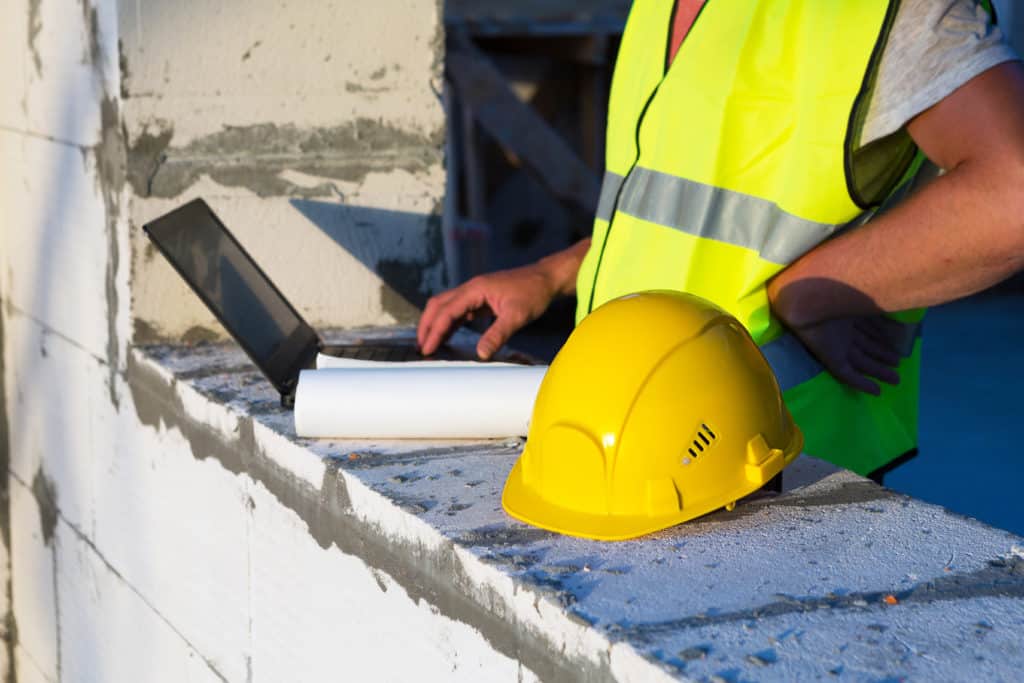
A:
(315, 131)
(129, 552)
(145, 549)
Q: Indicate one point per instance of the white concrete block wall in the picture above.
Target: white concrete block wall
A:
(34, 585)
(137, 551)
(139, 554)
(371, 627)
(54, 406)
(55, 243)
(50, 67)
(108, 632)
(332, 283)
(175, 528)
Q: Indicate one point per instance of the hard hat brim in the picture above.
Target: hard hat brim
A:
(522, 503)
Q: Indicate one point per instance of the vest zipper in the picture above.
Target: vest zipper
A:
(665, 66)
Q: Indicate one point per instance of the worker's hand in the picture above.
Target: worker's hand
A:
(514, 297)
(855, 350)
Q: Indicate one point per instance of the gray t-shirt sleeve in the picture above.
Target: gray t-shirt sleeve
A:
(934, 47)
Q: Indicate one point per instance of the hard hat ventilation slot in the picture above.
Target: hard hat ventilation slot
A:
(703, 441)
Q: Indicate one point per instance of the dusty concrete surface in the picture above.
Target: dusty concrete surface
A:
(836, 577)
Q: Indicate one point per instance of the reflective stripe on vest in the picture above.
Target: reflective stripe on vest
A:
(735, 162)
(712, 212)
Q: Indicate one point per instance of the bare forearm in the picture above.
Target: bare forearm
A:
(960, 234)
(562, 267)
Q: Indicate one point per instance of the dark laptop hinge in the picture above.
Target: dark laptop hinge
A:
(288, 399)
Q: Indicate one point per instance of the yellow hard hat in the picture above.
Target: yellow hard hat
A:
(658, 409)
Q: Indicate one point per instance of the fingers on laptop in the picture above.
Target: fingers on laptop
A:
(443, 315)
(500, 331)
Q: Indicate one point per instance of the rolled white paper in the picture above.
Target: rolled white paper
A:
(324, 361)
(417, 402)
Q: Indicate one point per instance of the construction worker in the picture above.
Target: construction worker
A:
(770, 157)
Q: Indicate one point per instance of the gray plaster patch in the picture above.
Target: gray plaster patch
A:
(45, 494)
(198, 334)
(122, 62)
(158, 405)
(10, 624)
(254, 156)
(94, 50)
(437, 42)
(35, 25)
(145, 155)
(110, 166)
(439, 578)
(5, 444)
(144, 332)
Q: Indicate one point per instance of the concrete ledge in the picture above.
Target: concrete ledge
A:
(836, 576)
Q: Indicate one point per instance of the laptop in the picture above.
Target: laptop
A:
(251, 308)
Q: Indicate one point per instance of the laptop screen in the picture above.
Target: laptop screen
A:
(234, 288)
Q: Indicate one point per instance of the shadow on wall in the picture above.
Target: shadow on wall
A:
(56, 463)
(404, 249)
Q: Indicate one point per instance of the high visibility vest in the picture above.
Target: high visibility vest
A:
(741, 157)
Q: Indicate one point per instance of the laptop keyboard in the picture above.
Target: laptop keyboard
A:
(398, 352)
(394, 354)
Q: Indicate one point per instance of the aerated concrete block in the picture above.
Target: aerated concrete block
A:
(33, 525)
(263, 62)
(173, 522)
(14, 63)
(322, 151)
(70, 59)
(108, 632)
(316, 609)
(27, 669)
(56, 260)
(57, 391)
(340, 263)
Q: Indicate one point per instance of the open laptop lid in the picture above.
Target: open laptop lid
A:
(237, 291)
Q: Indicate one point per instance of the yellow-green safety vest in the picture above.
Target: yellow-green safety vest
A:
(739, 158)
